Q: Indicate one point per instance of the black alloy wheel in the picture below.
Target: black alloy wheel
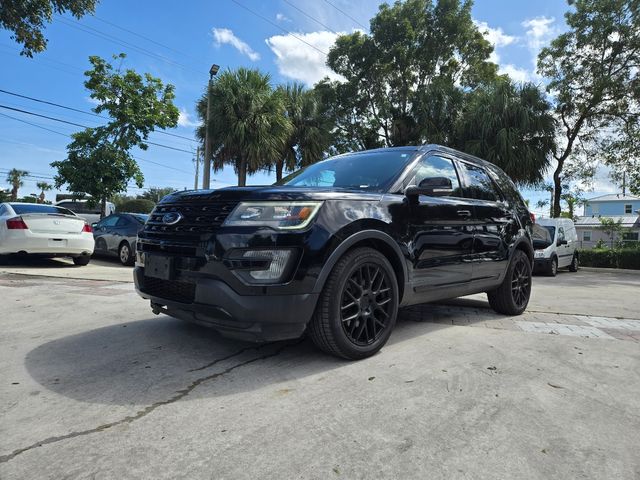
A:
(512, 296)
(358, 306)
(366, 305)
(521, 282)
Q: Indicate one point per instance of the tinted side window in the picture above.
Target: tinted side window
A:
(433, 166)
(122, 221)
(109, 221)
(3, 210)
(478, 184)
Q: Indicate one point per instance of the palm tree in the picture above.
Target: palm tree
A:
(15, 179)
(247, 128)
(511, 126)
(310, 136)
(43, 187)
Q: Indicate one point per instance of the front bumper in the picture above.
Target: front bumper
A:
(211, 302)
(540, 264)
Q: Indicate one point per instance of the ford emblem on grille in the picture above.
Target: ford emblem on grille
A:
(171, 218)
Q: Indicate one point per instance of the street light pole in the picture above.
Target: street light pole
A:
(206, 171)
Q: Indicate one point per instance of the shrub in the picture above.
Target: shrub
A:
(140, 205)
(606, 258)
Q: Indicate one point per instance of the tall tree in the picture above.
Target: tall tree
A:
(43, 187)
(593, 76)
(15, 178)
(310, 136)
(248, 127)
(511, 126)
(99, 161)
(26, 19)
(402, 79)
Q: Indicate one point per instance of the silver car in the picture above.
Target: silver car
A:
(116, 234)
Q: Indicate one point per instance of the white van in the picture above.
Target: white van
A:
(555, 241)
(90, 213)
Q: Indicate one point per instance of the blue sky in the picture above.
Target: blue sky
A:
(182, 39)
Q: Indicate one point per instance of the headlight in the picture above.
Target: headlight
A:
(539, 254)
(280, 215)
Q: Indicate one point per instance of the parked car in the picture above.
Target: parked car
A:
(46, 230)
(337, 247)
(557, 248)
(115, 235)
(85, 209)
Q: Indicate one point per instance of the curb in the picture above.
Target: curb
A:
(611, 270)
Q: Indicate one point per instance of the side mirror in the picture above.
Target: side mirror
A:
(562, 242)
(431, 186)
(94, 225)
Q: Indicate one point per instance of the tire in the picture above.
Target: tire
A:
(575, 264)
(125, 254)
(82, 261)
(512, 296)
(552, 271)
(351, 320)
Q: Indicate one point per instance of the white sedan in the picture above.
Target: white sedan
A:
(46, 230)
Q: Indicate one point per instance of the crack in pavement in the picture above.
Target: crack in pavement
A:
(180, 394)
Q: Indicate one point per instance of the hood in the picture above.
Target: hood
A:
(271, 193)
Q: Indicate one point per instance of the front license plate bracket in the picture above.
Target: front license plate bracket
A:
(159, 266)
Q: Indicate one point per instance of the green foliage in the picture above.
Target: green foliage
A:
(310, 136)
(99, 162)
(26, 19)
(593, 73)
(423, 75)
(43, 187)
(510, 126)
(248, 127)
(612, 228)
(155, 194)
(628, 258)
(15, 178)
(405, 79)
(136, 205)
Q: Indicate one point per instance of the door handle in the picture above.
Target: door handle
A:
(464, 213)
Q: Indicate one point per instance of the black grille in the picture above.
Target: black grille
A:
(182, 292)
(198, 219)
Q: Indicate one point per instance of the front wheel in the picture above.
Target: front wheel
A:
(125, 254)
(512, 296)
(553, 267)
(358, 306)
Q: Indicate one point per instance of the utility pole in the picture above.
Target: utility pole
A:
(206, 173)
(197, 160)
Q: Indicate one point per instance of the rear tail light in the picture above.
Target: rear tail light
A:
(533, 217)
(87, 228)
(16, 223)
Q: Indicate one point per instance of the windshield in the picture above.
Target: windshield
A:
(541, 235)
(35, 208)
(372, 171)
(551, 230)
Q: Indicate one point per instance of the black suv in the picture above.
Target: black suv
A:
(336, 247)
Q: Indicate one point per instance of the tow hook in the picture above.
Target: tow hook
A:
(156, 308)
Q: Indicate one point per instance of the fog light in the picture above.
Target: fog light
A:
(277, 262)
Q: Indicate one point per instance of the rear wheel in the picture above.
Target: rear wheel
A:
(358, 306)
(574, 264)
(82, 261)
(125, 254)
(553, 267)
(512, 297)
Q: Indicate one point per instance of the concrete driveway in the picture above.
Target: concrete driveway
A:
(95, 386)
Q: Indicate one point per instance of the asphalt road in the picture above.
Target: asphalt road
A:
(93, 385)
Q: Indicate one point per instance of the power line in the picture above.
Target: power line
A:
(39, 100)
(85, 126)
(105, 36)
(345, 14)
(277, 26)
(311, 17)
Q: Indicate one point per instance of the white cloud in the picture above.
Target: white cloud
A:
(539, 31)
(516, 74)
(281, 17)
(495, 36)
(223, 36)
(299, 61)
(184, 120)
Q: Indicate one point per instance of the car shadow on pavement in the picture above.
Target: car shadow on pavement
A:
(36, 262)
(146, 361)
